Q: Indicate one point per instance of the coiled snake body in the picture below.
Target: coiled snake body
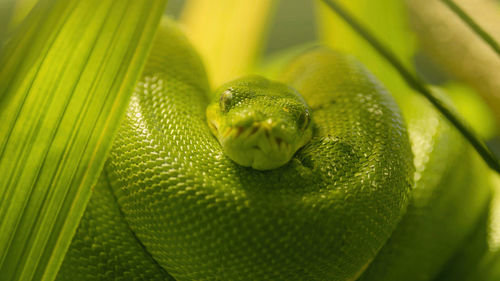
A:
(171, 205)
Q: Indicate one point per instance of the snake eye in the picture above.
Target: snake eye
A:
(304, 119)
(225, 100)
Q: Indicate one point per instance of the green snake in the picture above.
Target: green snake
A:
(308, 178)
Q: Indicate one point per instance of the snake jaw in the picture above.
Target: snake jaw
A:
(256, 146)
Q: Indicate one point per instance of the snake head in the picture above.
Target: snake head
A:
(259, 123)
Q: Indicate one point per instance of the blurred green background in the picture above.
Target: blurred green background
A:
(293, 23)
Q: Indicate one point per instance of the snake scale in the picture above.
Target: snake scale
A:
(170, 204)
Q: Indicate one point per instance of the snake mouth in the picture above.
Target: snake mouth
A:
(249, 134)
(256, 146)
(256, 136)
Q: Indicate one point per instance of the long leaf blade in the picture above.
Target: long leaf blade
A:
(228, 34)
(386, 19)
(65, 81)
(471, 23)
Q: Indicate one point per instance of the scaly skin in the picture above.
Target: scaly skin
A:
(322, 216)
(451, 191)
(104, 247)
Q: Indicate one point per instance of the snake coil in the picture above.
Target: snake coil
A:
(171, 205)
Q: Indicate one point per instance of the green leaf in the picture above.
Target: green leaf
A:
(20, 11)
(386, 19)
(488, 39)
(7, 8)
(65, 80)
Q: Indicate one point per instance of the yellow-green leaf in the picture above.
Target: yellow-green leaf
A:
(65, 79)
(227, 33)
(20, 11)
(387, 20)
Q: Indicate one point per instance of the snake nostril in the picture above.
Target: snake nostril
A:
(254, 130)
(268, 135)
(240, 130)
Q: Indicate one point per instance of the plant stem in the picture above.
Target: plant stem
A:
(414, 82)
(473, 25)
